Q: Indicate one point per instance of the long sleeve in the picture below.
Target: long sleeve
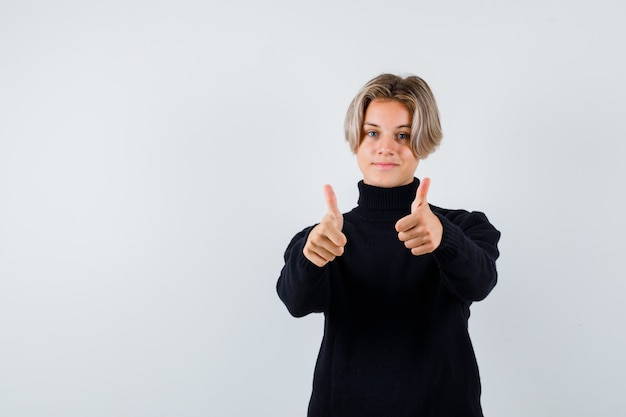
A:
(396, 338)
(467, 254)
(303, 286)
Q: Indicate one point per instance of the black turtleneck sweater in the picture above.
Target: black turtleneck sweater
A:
(396, 341)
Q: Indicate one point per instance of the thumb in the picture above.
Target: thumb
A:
(421, 196)
(331, 203)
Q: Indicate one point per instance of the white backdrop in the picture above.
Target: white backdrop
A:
(156, 157)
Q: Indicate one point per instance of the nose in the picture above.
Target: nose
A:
(386, 145)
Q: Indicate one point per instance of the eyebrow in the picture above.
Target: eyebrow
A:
(375, 125)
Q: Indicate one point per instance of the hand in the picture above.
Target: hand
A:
(421, 230)
(326, 241)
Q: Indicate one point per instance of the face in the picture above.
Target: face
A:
(384, 156)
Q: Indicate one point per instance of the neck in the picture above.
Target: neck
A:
(386, 203)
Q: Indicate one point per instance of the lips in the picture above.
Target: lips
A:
(385, 165)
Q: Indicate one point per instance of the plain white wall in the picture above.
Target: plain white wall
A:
(156, 157)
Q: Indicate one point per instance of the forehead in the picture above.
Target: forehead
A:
(387, 111)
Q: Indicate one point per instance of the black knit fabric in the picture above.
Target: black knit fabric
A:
(396, 339)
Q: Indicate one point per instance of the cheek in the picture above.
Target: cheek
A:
(361, 150)
(410, 158)
(366, 147)
(362, 157)
(408, 153)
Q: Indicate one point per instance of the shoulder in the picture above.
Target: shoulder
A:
(463, 218)
(454, 214)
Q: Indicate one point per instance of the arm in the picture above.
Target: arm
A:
(303, 283)
(302, 286)
(463, 244)
(467, 254)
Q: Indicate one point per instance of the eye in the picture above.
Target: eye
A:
(371, 133)
(403, 136)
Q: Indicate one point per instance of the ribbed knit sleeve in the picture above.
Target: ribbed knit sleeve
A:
(467, 254)
(302, 286)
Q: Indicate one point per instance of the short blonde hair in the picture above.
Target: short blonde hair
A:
(411, 91)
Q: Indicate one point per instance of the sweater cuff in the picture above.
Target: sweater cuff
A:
(449, 247)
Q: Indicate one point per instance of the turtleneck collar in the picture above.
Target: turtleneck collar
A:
(378, 203)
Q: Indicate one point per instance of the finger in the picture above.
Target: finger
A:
(331, 202)
(315, 258)
(416, 242)
(406, 223)
(322, 253)
(420, 250)
(337, 238)
(421, 196)
(327, 249)
(423, 249)
(407, 235)
(326, 235)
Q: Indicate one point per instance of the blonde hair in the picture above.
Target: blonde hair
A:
(411, 91)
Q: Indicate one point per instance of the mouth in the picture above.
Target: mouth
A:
(384, 165)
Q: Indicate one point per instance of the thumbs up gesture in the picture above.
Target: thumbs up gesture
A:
(326, 241)
(421, 231)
